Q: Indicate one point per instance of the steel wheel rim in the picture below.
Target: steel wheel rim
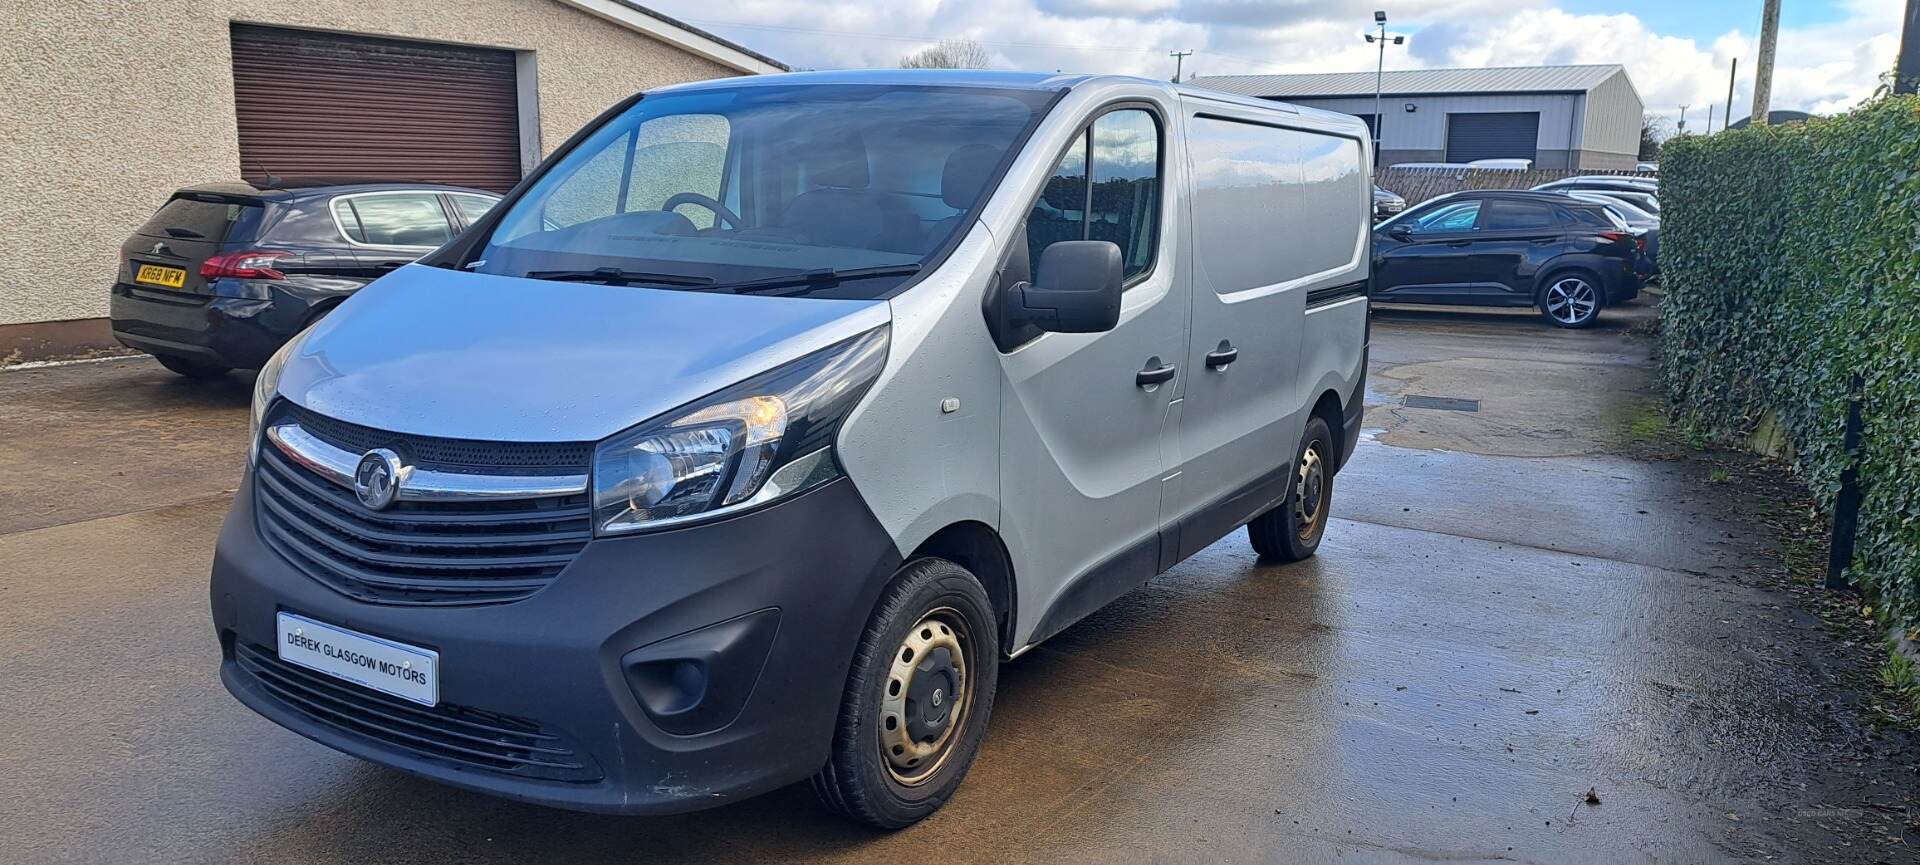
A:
(1310, 492)
(1571, 300)
(930, 677)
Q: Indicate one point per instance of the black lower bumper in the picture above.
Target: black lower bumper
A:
(237, 332)
(671, 671)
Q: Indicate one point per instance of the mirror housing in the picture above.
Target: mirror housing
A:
(1401, 231)
(1077, 289)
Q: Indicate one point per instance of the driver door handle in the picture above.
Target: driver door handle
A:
(1222, 356)
(1154, 375)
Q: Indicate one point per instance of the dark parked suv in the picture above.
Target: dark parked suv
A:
(223, 274)
(1567, 258)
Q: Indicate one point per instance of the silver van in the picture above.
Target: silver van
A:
(742, 442)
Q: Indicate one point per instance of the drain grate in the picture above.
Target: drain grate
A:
(1441, 403)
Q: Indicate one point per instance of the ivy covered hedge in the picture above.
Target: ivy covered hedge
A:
(1791, 257)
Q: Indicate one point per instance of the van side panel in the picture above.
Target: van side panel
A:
(1281, 225)
(919, 466)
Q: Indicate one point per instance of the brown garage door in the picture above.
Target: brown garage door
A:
(325, 105)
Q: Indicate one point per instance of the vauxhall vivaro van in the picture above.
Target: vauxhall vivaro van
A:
(744, 439)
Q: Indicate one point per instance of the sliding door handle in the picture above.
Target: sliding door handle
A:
(1220, 357)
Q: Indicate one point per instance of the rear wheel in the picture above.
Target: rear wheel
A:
(917, 699)
(196, 369)
(1570, 299)
(1291, 531)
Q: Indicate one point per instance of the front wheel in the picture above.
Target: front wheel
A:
(1570, 300)
(917, 699)
(1291, 530)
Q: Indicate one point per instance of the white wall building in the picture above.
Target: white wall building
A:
(1584, 117)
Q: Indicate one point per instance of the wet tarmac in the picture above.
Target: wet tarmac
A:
(1508, 613)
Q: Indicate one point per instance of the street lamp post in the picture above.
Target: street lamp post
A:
(1379, 72)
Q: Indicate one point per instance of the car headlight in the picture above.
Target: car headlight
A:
(767, 437)
(265, 385)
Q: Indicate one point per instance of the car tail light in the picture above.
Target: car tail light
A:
(1614, 236)
(246, 264)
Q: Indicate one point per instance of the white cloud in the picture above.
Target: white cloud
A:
(1823, 68)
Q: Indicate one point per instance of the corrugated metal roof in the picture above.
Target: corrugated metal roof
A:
(1507, 79)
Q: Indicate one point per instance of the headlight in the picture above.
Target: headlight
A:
(264, 386)
(764, 438)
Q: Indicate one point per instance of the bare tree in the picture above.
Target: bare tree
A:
(1655, 129)
(949, 54)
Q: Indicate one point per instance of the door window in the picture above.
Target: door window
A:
(1120, 153)
(1504, 215)
(1457, 216)
(393, 219)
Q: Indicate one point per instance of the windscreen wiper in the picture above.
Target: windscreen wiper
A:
(618, 276)
(814, 279)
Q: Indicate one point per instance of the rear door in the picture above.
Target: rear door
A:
(389, 228)
(165, 254)
(1511, 238)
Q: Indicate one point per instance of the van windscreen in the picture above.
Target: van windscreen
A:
(717, 187)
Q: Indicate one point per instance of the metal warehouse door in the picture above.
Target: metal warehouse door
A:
(1504, 135)
(325, 105)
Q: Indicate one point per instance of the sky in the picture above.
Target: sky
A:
(1831, 53)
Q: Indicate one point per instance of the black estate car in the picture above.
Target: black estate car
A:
(223, 274)
(1567, 258)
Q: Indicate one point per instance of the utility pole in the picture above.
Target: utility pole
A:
(1906, 75)
(1709, 118)
(1681, 127)
(1179, 62)
(1763, 76)
(1727, 121)
(1379, 74)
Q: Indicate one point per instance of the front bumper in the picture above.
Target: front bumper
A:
(238, 332)
(683, 668)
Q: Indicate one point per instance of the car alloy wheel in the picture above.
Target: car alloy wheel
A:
(1571, 300)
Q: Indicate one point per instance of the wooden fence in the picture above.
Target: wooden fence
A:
(1419, 184)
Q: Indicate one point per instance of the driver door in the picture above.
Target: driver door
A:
(1430, 263)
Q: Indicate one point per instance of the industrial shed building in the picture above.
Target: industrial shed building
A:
(111, 109)
(1585, 117)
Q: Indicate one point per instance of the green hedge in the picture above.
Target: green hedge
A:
(1792, 261)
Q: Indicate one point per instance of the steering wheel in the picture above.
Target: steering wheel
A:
(719, 210)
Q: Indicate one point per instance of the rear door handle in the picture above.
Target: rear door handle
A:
(1154, 375)
(1222, 356)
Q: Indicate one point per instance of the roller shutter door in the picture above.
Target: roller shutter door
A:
(1504, 135)
(352, 107)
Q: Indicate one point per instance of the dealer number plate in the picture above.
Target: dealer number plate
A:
(407, 672)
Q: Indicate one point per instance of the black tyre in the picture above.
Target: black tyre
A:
(196, 369)
(1570, 298)
(1291, 531)
(918, 698)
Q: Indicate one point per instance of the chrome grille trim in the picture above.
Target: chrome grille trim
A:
(420, 485)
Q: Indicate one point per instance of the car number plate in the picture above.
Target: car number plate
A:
(153, 274)
(404, 671)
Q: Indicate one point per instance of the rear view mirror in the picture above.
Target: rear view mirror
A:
(1077, 289)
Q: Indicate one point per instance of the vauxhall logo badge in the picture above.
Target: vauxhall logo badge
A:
(377, 479)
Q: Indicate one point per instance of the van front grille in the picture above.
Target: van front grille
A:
(463, 737)
(416, 552)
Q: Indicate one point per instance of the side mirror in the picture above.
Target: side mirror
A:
(1401, 231)
(1077, 289)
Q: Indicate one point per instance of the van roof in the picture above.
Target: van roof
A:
(988, 78)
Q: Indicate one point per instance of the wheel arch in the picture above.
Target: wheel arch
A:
(1329, 409)
(977, 547)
